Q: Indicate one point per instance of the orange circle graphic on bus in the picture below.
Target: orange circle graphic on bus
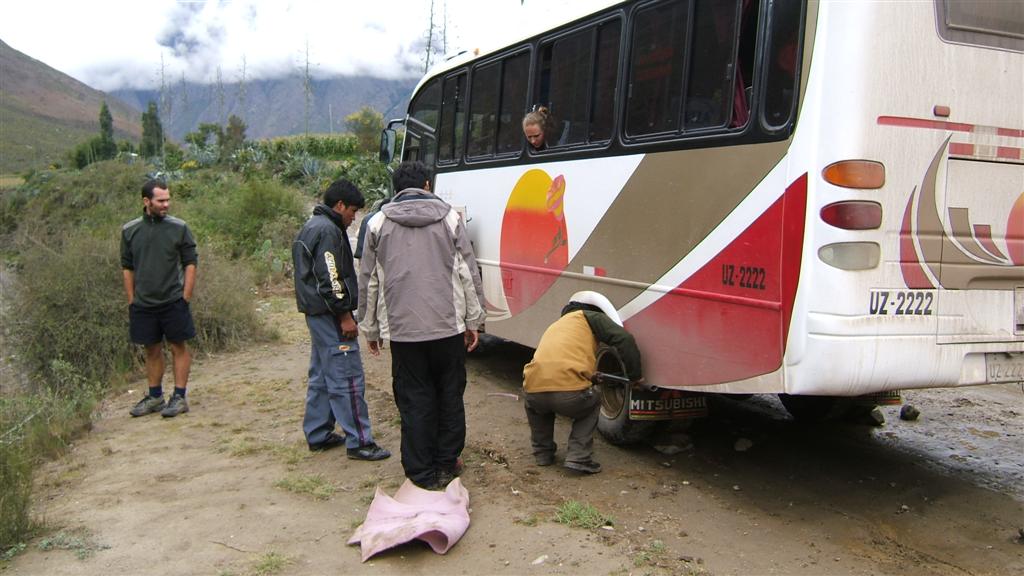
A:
(534, 240)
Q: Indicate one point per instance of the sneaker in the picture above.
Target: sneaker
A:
(588, 467)
(368, 452)
(147, 405)
(333, 440)
(177, 405)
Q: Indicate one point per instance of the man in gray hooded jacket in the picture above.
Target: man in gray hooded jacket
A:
(419, 287)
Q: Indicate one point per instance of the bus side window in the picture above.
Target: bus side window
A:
(483, 125)
(709, 88)
(453, 119)
(424, 110)
(606, 79)
(515, 79)
(744, 90)
(566, 62)
(781, 64)
(656, 63)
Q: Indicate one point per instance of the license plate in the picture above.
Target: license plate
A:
(666, 405)
(1004, 367)
(889, 398)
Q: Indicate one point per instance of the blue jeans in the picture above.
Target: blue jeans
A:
(336, 386)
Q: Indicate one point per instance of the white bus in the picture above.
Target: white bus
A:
(814, 199)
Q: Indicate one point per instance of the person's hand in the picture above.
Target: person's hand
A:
(374, 347)
(472, 340)
(348, 326)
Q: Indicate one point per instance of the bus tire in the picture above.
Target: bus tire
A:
(613, 422)
(808, 408)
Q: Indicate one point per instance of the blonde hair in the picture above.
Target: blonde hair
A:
(539, 116)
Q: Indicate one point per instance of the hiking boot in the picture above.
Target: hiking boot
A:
(456, 470)
(147, 405)
(444, 478)
(333, 440)
(368, 452)
(177, 405)
(588, 467)
(544, 459)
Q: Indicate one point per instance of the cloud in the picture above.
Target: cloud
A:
(126, 43)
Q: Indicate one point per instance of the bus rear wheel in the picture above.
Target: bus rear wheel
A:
(613, 422)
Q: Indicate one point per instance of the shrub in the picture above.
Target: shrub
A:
(32, 427)
(369, 175)
(234, 213)
(52, 202)
(72, 307)
(222, 308)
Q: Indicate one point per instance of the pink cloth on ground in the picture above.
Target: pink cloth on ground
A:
(437, 518)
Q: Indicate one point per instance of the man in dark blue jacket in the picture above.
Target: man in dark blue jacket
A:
(325, 291)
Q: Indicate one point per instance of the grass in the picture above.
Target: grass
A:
(33, 426)
(10, 181)
(531, 520)
(80, 541)
(270, 563)
(653, 554)
(581, 515)
(314, 485)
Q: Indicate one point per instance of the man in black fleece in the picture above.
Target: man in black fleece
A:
(158, 261)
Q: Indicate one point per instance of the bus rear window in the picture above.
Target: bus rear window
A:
(989, 23)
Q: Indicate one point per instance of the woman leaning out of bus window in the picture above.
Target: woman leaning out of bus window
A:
(536, 127)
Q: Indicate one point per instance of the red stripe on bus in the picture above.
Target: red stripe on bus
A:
(983, 232)
(910, 263)
(924, 123)
(961, 149)
(729, 320)
(1009, 153)
(792, 248)
(1010, 132)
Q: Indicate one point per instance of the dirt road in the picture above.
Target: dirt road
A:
(230, 488)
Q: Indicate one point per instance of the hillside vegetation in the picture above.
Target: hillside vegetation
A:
(64, 314)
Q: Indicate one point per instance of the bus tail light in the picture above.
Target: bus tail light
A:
(851, 255)
(864, 174)
(853, 215)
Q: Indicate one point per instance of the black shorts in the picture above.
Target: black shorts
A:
(150, 325)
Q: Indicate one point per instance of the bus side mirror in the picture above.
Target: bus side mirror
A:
(387, 145)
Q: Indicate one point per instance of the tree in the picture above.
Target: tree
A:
(231, 138)
(366, 124)
(106, 148)
(201, 137)
(152, 133)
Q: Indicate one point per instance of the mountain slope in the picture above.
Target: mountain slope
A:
(44, 113)
(276, 107)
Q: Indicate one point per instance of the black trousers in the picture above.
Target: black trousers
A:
(429, 379)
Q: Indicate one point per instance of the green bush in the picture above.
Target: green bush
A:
(72, 307)
(52, 202)
(369, 175)
(33, 427)
(222, 307)
(233, 213)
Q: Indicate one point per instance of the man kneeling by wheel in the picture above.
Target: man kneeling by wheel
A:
(558, 379)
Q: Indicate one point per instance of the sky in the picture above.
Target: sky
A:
(112, 44)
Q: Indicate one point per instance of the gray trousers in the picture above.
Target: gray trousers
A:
(582, 406)
(336, 386)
